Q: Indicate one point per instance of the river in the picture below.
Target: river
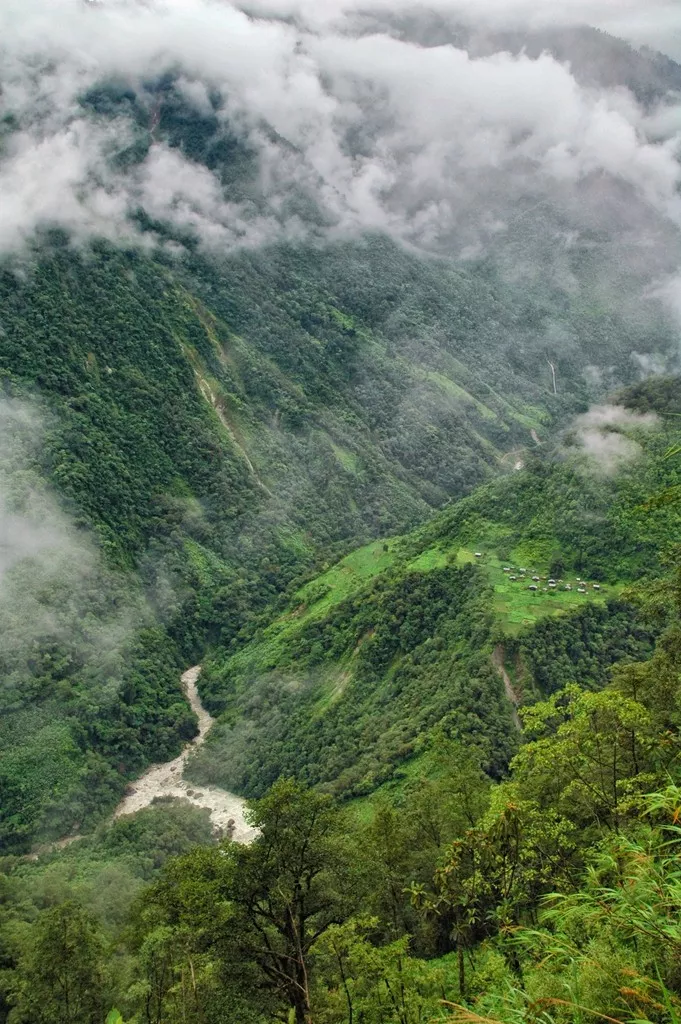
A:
(166, 780)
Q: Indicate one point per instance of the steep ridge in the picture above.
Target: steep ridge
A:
(165, 387)
(218, 425)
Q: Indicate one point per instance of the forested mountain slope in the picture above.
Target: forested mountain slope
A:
(451, 896)
(215, 431)
(336, 361)
(397, 639)
(219, 375)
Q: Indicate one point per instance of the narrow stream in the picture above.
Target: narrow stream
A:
(166, 780)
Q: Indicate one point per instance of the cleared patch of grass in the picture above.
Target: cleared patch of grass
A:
(432, 558)
(296, 541)
(314, 601)
(205, 562)
(516, 606)
(346, 577)
(347, 459)
(335, 680)
(456, 391)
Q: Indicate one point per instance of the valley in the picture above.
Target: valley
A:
(166, 782)
(339, 360)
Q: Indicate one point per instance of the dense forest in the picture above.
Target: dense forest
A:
(343, 685)
(207, 437)
(425, 850)
(373, 419)
(549, 896)
(191, 436)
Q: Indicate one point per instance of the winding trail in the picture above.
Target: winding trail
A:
(498, 662)
(165, 780)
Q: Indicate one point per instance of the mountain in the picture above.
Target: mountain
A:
(215, 432)
(193, 427)
(339, 355)
(448, 885)
(417, 633)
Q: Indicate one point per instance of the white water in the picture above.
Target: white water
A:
(165, 780)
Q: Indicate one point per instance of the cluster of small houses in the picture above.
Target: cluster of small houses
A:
(521, 574)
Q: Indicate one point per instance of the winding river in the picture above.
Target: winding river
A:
(166, 780)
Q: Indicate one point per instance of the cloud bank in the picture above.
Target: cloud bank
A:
(602, 435)
(350, 125)
(654, 23)
(54, 590)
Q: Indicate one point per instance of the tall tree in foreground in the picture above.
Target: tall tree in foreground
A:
(255, 912)
(61, 977)
(294, 882)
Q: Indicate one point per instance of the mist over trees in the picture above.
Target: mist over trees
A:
(339, 350)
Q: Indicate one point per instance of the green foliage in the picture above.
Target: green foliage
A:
(61, 974)
(216, 429)
(345, 683)
(212, 436)
(211, 432)
(258, 908)
(581, 648)
(552, 896)
(355, 689)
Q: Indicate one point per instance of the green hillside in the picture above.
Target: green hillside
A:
(194, 433)
(334, 355)
(215, 429)
(402, 637)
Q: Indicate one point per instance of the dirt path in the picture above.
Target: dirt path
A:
(498, 662)
(516, 455)
(165, 780)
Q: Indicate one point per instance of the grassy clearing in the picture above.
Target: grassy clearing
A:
(314, 601)
(456, 391)
(296, 541)
(345, 578)
(347, 459)
(516, 606)
(333, 683)
(420, 766)
(432, 558)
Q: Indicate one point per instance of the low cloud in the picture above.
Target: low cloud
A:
(60, 179)
(642, 22)
(439, 148)
(30, 522)
(53, 588)
(602, 435)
